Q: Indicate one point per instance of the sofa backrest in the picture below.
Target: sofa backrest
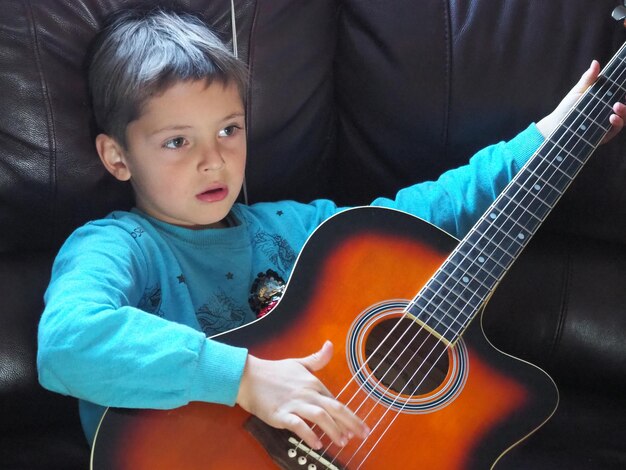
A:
(389, 92)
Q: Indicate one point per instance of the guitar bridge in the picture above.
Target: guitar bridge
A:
(288, 452)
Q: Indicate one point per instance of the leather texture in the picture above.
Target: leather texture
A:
(350, 100)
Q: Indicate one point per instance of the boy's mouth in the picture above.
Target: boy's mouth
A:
(213, 194)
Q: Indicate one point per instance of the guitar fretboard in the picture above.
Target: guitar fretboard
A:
(457, 291)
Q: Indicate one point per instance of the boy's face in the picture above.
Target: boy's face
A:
(185, 155)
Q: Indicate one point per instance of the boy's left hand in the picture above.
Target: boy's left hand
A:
(552, 120)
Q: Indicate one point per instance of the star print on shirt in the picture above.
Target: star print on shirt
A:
(181, 279)
(279, 213)
(230, 276)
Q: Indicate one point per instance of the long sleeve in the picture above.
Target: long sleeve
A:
(95, 344)
(460, 196)
(453, 203)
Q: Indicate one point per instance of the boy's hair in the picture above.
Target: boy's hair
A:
(141, 52)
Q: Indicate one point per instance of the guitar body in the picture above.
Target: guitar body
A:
(350, 284)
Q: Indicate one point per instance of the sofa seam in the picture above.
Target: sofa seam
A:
(49, 118)
(564, 302)
(448, 75)
(251, 55)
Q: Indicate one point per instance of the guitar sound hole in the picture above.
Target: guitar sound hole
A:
(411, 361)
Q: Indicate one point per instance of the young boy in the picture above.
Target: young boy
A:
(134, 297)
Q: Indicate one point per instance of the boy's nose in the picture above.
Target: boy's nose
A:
(211, 160)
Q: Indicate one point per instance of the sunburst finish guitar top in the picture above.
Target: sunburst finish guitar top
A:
(353, 288)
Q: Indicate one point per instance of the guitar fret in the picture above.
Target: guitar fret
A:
(535, 206)
(442, 288)
(594, 94)
(451, 319)
(558, 166)
(569, 153)
(432, 316)
(461, 294)
(485, 260)
(439, 299)
(606, 109)
(543, 182)
(617, 85)
(462, 265)
(586, 121)
(485, 245)
(469, 265)
(505, 253)
(593, 120)
(534, 185)
(551, 159)
(580, 136)
(467, 280)
(507, 244)
(510, 223)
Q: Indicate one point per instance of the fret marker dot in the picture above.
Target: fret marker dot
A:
(559, 158)
(583, 127)
(609, 93)
(481, 259)
(537, 187)
(465, 279)
(521, 236)
(492, 216)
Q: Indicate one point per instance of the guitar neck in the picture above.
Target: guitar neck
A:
(458, 290)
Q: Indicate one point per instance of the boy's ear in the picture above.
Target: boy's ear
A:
(112, 156)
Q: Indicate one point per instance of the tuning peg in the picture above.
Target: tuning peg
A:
(619, 13)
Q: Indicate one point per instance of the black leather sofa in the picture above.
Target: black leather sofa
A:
(351, 99)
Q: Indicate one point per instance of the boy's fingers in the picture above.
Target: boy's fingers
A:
(329, 426)
(333, 419)
(617, 124)
(300, 428)
(348, 422)
(587, 78)
(319, 359)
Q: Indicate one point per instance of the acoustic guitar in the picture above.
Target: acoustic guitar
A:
(416, 368)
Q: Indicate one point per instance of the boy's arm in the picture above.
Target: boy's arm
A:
(459, 197)
(95, 346)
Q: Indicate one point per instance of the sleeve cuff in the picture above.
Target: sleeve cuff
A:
(526, 143)
(218, 373)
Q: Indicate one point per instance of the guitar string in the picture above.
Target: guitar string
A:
(412, 322)
(572, 135)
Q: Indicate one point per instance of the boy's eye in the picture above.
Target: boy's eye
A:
(228, 131)
(175, 143)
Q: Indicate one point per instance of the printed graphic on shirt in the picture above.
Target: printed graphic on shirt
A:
(137, 232)
(266, 290)
(151, 300)
(277, 250)
(220, 314)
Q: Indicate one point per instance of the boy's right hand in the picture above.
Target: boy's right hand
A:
(286, 395)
